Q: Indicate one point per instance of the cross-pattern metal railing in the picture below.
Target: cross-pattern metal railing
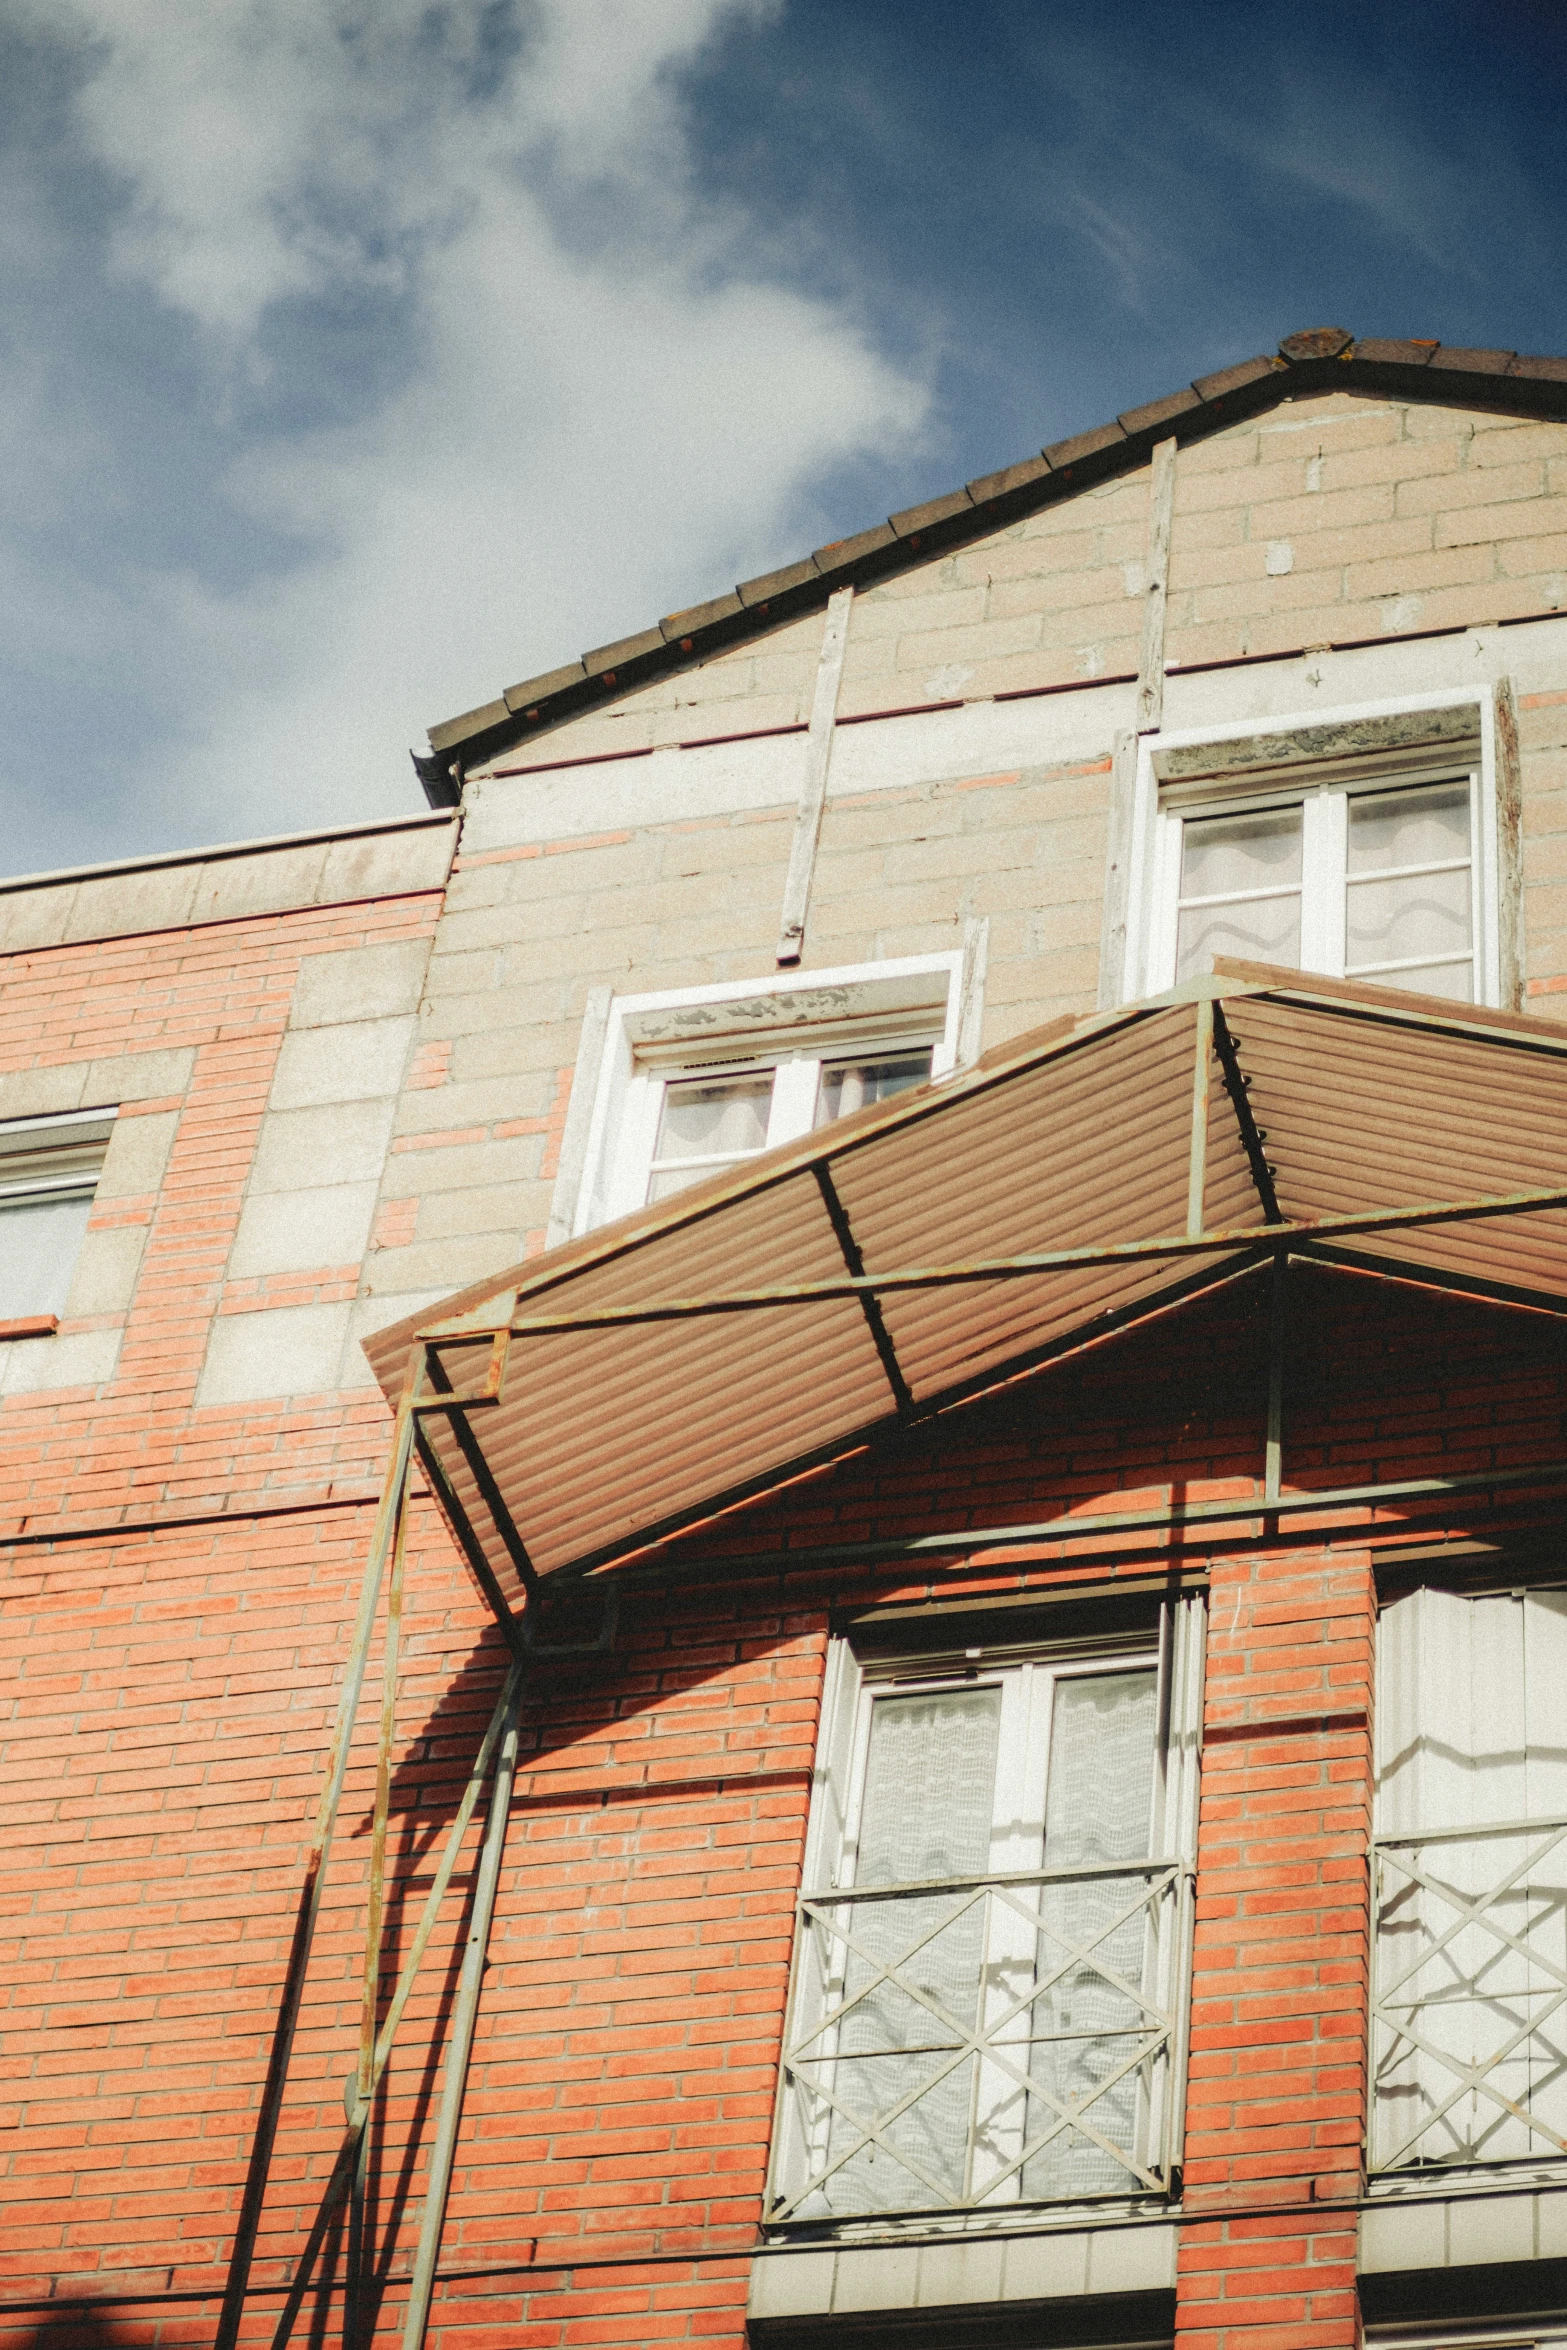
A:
(979, 2041)
(1468, 2033)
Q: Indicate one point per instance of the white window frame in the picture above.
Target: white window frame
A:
(1028, 1673)
(1160, 811)
(85, 1132)
(787, 1022)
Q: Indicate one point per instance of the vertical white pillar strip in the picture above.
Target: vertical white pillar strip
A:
(1150, 668)
(813, 795)
(572, 1163)
(1118, 868)
(1509, 848)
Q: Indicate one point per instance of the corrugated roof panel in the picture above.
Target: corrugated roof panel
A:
(1076, 1138)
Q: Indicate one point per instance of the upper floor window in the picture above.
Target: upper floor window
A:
(49, 1169)
(1370, 842)
(1469, 2007)
(1358, 880)
(986, 2006)
(697, 1081)
(722, 1115)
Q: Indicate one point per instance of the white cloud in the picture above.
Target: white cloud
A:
(610, 406)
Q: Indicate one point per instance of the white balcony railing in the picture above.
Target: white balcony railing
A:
(1468, 2029)
(978, 2042)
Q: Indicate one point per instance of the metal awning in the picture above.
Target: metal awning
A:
(1071, 1182)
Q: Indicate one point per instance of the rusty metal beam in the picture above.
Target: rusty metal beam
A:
(1018, 1268)
(387, 1534)
(1203, 1516)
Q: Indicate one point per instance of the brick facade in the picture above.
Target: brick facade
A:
(345, 1075)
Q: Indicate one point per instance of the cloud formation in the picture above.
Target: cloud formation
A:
(576, 393)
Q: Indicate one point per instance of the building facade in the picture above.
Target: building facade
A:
(922, 1230)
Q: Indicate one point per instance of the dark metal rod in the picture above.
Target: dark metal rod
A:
(1018, 1268)
(1197, 1160)
(1173, 1518)
(394, 1502)
(1273, 1450)
(875, 1320)
(337, 2185)
(464, 2016)
(361, 2238)
(1251, 1139)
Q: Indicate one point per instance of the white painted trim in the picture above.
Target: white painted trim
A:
(625, 1098)
(1155, 838)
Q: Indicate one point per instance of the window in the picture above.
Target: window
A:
(49, 1168)
(1361, 880)
(986, 2001)
(709, 1122)
(1469, 2029)
(698, 1081)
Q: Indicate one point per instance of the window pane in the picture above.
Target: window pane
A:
(1098, 1807)
(929, 1799)
(39, 1243)
(705, 1123)
(1267, 930)
(1408, 827)
(714, 1117)
(853, 1085)
(1425, 914)
(1454, 980)
(1224, 856)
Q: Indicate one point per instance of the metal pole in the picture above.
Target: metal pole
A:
(337, 2185)
(361, 2246)
(394, 1501)
(1273, 1450)
(464, 2016)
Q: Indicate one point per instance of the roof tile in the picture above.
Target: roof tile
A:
(625, 650)
(843, 553)
(1084, 444)
(1021, 476)
(1543, 370)
(1472, 362)
(1156, 412)
(762, 590)
(934, 510)
(1231, 379)
(539, 689)
(1385, 354)
(676, 625)
(452, 731)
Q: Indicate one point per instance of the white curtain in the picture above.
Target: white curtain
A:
(1099, 1801)
(1472, 1733)
(930, 1780)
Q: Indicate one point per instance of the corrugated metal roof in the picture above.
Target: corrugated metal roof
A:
(1075, 1139)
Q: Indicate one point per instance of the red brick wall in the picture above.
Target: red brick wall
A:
(169, 1699)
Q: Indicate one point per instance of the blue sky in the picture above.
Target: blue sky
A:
(364, 356)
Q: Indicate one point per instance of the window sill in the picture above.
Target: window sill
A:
(30, 1326)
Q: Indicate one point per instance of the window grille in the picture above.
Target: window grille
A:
(1469, 2006)
(988, 1993)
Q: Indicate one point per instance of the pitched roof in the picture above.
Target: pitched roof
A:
(1074, 1181)
(1320, 359)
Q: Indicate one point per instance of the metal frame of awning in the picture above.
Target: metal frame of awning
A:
(458, 1369)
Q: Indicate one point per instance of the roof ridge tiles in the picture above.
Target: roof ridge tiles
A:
(1314, 359)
